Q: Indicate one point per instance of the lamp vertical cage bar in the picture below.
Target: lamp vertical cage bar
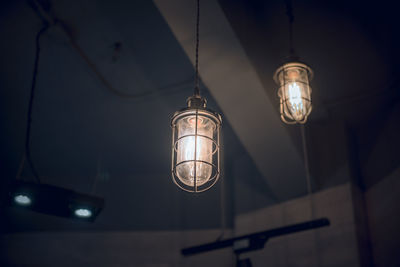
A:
(195, 152)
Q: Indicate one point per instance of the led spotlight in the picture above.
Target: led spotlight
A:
(53, 200)
(84, 213)
(22, 199)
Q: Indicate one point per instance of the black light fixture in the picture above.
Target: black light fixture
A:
(195, 139)
(45, 198)
(54, 200)
(293, 78)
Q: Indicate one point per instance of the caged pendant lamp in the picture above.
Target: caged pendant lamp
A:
(293, 79)
(195, 139)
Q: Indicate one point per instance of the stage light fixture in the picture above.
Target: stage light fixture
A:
(53, 200)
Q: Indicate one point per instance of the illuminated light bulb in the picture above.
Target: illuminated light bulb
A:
(22, 200)
(294, 92)
(195, 158)
(84, 213)
(295, 101)
(192, 148)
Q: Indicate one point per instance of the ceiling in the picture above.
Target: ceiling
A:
(88, 138)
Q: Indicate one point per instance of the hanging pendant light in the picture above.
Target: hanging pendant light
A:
(293, 78)
(195, 139)
(294, 91)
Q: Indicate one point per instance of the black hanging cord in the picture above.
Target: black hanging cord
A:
(30, 107)
(289, 13)
(196, 85)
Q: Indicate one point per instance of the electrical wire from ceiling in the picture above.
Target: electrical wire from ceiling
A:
(28, 155)
(196, 85)
(21, 167)
(289, 14)
(50, 19)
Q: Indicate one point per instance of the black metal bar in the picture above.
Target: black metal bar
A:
(264, 235)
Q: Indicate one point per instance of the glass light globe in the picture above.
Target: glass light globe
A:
(294, 92)
(195, 151)
(191, 147)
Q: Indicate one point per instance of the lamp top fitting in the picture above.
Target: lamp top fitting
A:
(196, 101)
(290, 64)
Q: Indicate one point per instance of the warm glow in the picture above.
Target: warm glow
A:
(190, 148)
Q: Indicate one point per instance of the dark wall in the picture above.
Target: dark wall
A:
(382, 201)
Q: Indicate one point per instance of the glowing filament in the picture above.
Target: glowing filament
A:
(295, 98)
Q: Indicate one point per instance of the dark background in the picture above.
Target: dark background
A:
(87, 138)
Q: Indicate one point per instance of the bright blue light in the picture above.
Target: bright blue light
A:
(22, 200)
(84, 213)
